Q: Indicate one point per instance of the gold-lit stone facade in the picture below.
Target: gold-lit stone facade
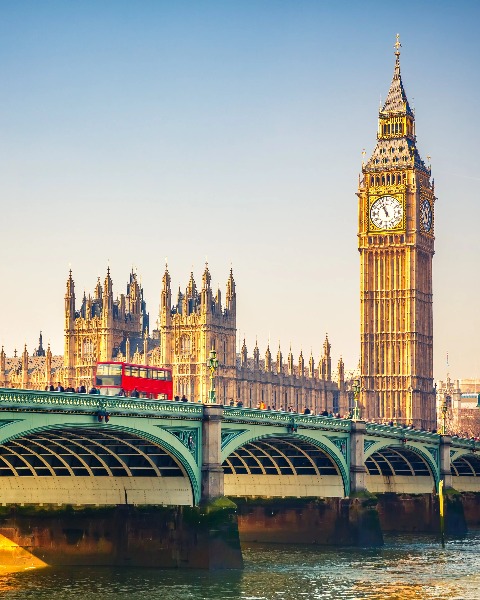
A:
(103, 328)
(396, 244)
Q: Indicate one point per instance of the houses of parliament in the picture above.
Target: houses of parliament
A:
(396, 219)
(101, 328)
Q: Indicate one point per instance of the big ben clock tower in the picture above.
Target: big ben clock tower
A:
(396, 245)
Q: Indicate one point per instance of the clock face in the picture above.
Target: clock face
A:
(386, 212)
(426, 216)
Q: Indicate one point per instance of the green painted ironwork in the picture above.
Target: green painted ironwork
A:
(29, 411)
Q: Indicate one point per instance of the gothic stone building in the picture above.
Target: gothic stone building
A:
(103, 328)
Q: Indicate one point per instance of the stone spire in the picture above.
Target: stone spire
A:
(40, 351)
(268, 360)
(256, 356)
(3, 361)
(231, 298)
(279, 360)
(48, 365)
(311, 366)
(290, 366)
(396, 101)
(341, 374)
(301, 365)
(166, 298)
(243, 355)
(70, 300)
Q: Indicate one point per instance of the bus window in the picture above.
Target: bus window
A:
(161, 375)
(168, 375)
(128, 371)
(109, 375)
(143, 372)
(134, 371)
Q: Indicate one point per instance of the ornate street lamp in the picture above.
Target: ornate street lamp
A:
(356, 391)
(212, 363)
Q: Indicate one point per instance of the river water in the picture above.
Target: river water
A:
(406, 567)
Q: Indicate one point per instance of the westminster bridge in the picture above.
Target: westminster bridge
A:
(80, 449)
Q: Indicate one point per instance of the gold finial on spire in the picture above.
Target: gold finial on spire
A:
(397, 47)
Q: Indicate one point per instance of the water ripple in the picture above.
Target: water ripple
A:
(407, 568)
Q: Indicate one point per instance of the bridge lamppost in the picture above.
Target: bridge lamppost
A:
(356, 391)
(212, 363)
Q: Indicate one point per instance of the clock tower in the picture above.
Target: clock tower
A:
(396, 245)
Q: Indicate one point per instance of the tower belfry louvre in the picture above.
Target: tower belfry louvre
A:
(396, 245)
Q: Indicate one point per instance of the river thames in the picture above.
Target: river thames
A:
(406, 567)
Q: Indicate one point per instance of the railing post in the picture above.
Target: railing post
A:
(445, 464)
(358, 470)
(212, 470)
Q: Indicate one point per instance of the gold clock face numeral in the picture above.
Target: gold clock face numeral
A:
(386, 212)
(426, 216)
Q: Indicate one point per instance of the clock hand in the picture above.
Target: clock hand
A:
(386, 213)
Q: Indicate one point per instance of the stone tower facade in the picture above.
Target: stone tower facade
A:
(198, 322)
(396, 245)
(188, 330)
(102, 328)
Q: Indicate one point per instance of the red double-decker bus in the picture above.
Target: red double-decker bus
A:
(125, 379)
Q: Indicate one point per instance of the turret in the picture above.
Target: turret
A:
(301, 365)
(3, 362)
(311, 366)
(279, 360)
(25, 376)
(256, 356)
(166, 298)
(48, 365)
(206, 296)
(243, 355)
(326, 360)
(70, 302)
(268, 360)
(98, 293)
(231, 298)
(108, 299)
(291, 368)
(341, 374)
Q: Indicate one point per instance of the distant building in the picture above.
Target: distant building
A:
(461, 400)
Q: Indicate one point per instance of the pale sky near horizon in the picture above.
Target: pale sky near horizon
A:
(131, 131)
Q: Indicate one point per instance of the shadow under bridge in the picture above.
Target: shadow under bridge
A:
(90, 465)
(282, 467)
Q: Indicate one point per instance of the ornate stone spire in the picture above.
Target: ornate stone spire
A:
(279, 360)
(301, 365)
(290, 362)
(243, 354)
(256, 356)
(268, 360)
(396, 101)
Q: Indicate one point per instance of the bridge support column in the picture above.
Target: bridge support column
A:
(445, 465)
(212, 470)
(358, 470)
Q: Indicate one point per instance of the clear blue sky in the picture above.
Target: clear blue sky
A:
(134, 131)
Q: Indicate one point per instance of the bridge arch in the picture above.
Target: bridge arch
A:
(85, 463)
(270, 464)
(401, 468)
(465, 466)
